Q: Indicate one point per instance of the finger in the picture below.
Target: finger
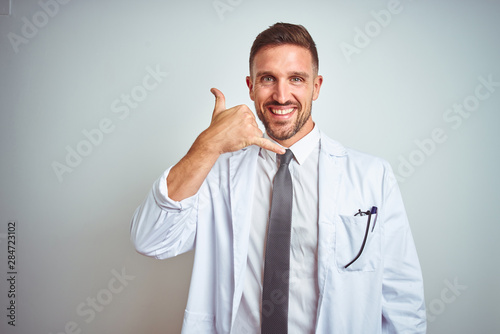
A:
(220, 100)
(268, 145)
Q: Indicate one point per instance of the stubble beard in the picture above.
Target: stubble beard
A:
(281, 132)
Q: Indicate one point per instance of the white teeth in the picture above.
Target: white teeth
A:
(281, 111)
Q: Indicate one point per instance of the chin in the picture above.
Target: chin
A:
(280, 134)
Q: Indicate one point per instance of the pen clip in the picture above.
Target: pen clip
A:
(374, 211)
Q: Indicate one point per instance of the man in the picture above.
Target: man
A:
(349, 265)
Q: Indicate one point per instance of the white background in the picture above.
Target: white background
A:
(73, 230)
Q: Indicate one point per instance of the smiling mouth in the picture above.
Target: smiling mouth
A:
(281, 111)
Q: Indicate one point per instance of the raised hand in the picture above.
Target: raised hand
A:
(235, 128)
(230, 130)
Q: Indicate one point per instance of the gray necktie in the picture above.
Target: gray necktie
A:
(277, 263)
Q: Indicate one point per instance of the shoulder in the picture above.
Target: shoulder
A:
(352, 157)
(357, 167)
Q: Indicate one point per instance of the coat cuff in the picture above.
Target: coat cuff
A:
(160, 191)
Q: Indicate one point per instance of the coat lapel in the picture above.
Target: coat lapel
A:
(242, 170)
(331, 170)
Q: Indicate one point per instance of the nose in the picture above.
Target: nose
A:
(281, 92)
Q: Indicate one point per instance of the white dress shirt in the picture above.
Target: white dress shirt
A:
(303, 290)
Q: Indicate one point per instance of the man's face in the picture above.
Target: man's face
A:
(283, 85)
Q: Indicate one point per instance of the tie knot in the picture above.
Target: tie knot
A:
(285, 158)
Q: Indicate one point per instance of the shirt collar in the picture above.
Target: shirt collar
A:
(300, 149)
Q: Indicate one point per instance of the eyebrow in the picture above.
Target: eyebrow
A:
(292, 74)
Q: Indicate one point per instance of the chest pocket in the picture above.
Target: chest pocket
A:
(349, 236)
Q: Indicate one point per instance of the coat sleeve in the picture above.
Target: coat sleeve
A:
(163, 228)
(403, 306)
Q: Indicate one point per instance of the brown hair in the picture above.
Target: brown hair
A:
(285, 33)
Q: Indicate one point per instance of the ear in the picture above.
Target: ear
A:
(318, 81)
(250, 88)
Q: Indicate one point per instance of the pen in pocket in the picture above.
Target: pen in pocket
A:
(369, 213)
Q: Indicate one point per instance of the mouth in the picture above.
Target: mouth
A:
(281, 110)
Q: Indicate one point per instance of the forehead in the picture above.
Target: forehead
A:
(283, 58)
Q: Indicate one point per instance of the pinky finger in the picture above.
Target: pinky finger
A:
(268, 145)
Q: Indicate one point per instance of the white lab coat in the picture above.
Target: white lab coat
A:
(382, 292)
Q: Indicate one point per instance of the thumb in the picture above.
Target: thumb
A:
(220, 100)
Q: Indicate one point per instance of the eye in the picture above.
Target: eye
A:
(267, 78)
(297, 79)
